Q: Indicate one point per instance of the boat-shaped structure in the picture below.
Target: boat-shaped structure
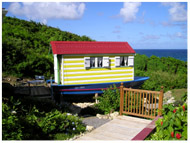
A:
(94, 88)
(83, 67)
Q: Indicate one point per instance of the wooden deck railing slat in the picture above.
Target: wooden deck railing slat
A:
(146, 104)
(128, 100)
(155, 105)
(143, 103)
(149, 105)
(152, 104)
(140, 103)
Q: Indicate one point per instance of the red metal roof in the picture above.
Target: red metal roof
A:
(88, 47)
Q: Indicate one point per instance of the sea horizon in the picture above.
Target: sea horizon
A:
(161, 49)
(180, 54)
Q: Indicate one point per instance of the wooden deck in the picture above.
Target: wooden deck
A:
(120, 128)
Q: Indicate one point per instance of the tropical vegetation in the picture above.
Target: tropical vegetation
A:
(166, 71)
(173, 125)
(26, 47)
(22, 120)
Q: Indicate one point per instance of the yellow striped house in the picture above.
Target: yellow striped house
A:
(82, 62)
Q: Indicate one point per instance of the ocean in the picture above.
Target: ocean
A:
(180, 54)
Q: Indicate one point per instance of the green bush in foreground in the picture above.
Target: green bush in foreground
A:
(56, 122)
(110, 100)
(173, 126)
(11, 129)
(21, 123)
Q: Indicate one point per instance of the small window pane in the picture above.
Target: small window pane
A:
(92, 62)
(99, 61)
(122, 63)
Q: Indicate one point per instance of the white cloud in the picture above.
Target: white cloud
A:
(177, 35)
(177, 11)
(129, 11)
(43, 11)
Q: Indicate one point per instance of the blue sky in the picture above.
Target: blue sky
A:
(144, 25)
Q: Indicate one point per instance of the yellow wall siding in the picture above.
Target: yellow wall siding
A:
(74, 72)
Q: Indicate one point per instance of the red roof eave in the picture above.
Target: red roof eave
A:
(86, 47)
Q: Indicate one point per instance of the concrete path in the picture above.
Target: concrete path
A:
(120, 128)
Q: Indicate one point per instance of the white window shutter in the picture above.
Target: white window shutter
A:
(87, 62)
(117, 61)
(131, 61)
(106, 62)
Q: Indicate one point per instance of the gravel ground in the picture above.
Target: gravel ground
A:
(95, 121)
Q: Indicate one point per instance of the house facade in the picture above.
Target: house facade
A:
(82, 62)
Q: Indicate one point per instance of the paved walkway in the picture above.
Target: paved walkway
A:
(120, 128)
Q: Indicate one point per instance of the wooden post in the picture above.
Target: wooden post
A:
(121, 98)
(160, 101)
(96, 98)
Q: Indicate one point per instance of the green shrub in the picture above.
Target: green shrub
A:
(110, 100)
(56, 122)
(11, 128)
(173, 126)
(184, 97)
(20, 122)
(166, 71)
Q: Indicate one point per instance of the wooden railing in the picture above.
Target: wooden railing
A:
(143, 103)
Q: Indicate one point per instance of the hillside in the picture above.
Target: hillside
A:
(26, 48)
(27, 52)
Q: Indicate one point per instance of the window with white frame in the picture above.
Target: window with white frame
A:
(123, 61)
(96, 62)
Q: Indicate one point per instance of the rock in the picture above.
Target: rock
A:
(171, 100)
(89, 128)
(99, 116)
(167, 95)
(102, 116)
(83, 105)
(114, 115)
(105, 117)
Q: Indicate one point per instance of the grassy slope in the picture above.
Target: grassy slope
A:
(177, 93)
